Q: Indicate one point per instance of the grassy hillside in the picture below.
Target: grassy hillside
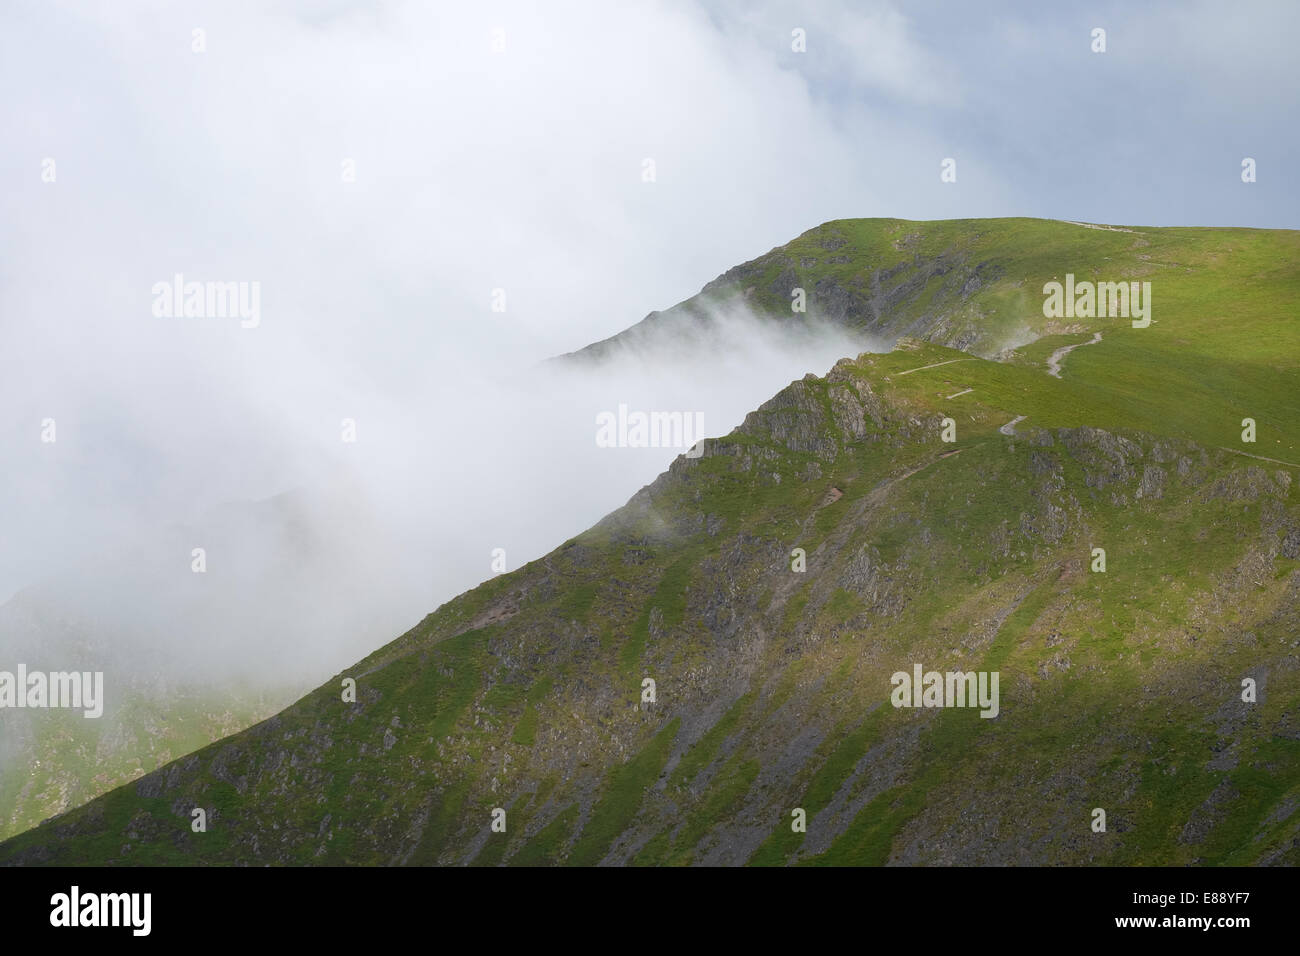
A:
(163, 637)
(1224, 325)
(1119, 690)
(56, 759)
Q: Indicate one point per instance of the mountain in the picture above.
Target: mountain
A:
(961, 283)
(187, 658)
(1162, 690)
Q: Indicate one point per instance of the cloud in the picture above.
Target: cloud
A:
(850, 49)
(520, 171)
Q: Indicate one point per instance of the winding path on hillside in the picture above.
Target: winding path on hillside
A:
(935, 365)
(1057, 357)
(1095, 225)
(1237, 451)
(1010, 427)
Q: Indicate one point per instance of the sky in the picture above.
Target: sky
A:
(387, 173)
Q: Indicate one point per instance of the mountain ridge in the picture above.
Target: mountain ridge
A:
(1121, 688)
(891, 278)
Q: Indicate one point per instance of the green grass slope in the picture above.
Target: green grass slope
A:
(1119, 690)
(57, 759)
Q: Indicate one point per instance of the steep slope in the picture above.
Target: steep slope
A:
(1120, 689)
(186, 658)
(972, 284)
(55, 759)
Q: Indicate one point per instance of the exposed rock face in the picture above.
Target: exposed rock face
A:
(772, 681)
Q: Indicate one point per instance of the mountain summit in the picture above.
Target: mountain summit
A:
(974, 285)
